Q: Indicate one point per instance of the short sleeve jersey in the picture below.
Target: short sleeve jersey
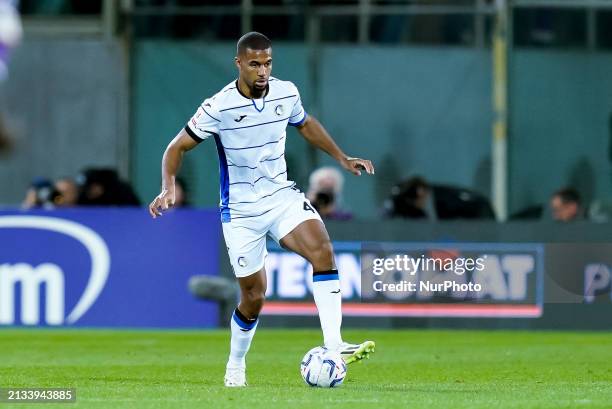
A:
(250, 135)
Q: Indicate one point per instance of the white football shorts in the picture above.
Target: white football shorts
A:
(245, 237)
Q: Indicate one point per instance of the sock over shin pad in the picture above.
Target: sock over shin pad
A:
(243, 330)
(326, 291)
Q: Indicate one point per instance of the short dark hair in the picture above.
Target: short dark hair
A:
(568, 195)
(254, 41)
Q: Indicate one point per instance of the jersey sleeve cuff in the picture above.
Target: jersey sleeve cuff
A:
(193, 135)
(301, 121)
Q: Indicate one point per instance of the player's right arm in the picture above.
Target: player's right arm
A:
(171, 163)
(203, 124)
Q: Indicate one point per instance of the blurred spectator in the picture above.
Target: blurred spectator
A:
(415, 198)
(102, 187)
(325, 193)
(412, 199)
(68, 192)
(565, 205)
(41, 193)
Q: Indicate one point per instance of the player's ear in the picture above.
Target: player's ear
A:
(237, 61)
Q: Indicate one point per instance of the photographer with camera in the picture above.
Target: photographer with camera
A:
(325, 193)
(45, 194)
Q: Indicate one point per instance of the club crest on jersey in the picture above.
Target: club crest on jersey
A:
(279, 110)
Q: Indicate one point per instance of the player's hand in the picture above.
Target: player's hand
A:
(162, 202)
(356, 165)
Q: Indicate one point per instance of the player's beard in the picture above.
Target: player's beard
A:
(257, 92)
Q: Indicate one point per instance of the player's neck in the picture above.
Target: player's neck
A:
(247, 92)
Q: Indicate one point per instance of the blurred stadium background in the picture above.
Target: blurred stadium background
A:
(478, 114)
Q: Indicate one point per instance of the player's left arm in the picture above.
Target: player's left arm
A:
(316, 135)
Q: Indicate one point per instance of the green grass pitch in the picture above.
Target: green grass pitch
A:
(410, 369)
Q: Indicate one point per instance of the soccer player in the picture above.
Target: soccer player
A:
(248, 120)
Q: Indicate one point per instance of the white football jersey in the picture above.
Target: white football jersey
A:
(250, 135)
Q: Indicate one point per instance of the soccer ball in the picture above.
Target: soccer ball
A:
(323, 368)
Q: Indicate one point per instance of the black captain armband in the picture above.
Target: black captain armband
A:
(193, 134)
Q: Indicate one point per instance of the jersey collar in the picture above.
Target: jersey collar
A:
(252, 100)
